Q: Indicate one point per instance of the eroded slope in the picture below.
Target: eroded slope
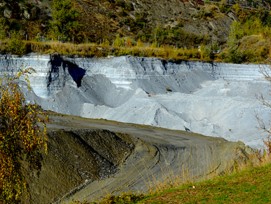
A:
(77, 156)
(90, 158)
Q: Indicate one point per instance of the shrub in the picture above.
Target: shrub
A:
(122, 199)
(118, 42)
(22, 139)
(64, 23)
(248, 41)
(15, 45)
(3, 28)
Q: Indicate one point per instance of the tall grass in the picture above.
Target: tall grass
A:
(248, 186)
(102, 50)
(246, 178)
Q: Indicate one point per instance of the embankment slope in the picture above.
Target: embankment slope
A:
(90, 158)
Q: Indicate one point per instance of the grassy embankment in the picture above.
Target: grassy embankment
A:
(251, 185)
(247, 184)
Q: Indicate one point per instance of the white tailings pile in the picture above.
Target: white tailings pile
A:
(213, 99)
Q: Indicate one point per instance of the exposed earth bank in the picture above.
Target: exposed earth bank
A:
(88, 159)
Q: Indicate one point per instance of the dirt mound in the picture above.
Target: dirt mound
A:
(90, 158)
(76, 157)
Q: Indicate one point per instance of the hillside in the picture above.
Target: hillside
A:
(189, 22)
(231, 31)
(179, 23)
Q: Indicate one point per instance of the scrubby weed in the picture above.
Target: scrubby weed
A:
(264, 156)
(167, 179)
(260, 157)
(22, 138)
(124, 198)
(16, 45)
(267, 143)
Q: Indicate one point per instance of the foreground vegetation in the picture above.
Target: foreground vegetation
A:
(248, 183)
(22, 139)
(247, 186)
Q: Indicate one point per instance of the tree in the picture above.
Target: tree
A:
(64, 24)
(22, 139)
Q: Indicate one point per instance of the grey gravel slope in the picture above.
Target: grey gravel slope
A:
(215, 99)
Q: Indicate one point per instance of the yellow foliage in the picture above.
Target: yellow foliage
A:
(22, 138)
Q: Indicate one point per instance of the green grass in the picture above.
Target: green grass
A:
(248, 186)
